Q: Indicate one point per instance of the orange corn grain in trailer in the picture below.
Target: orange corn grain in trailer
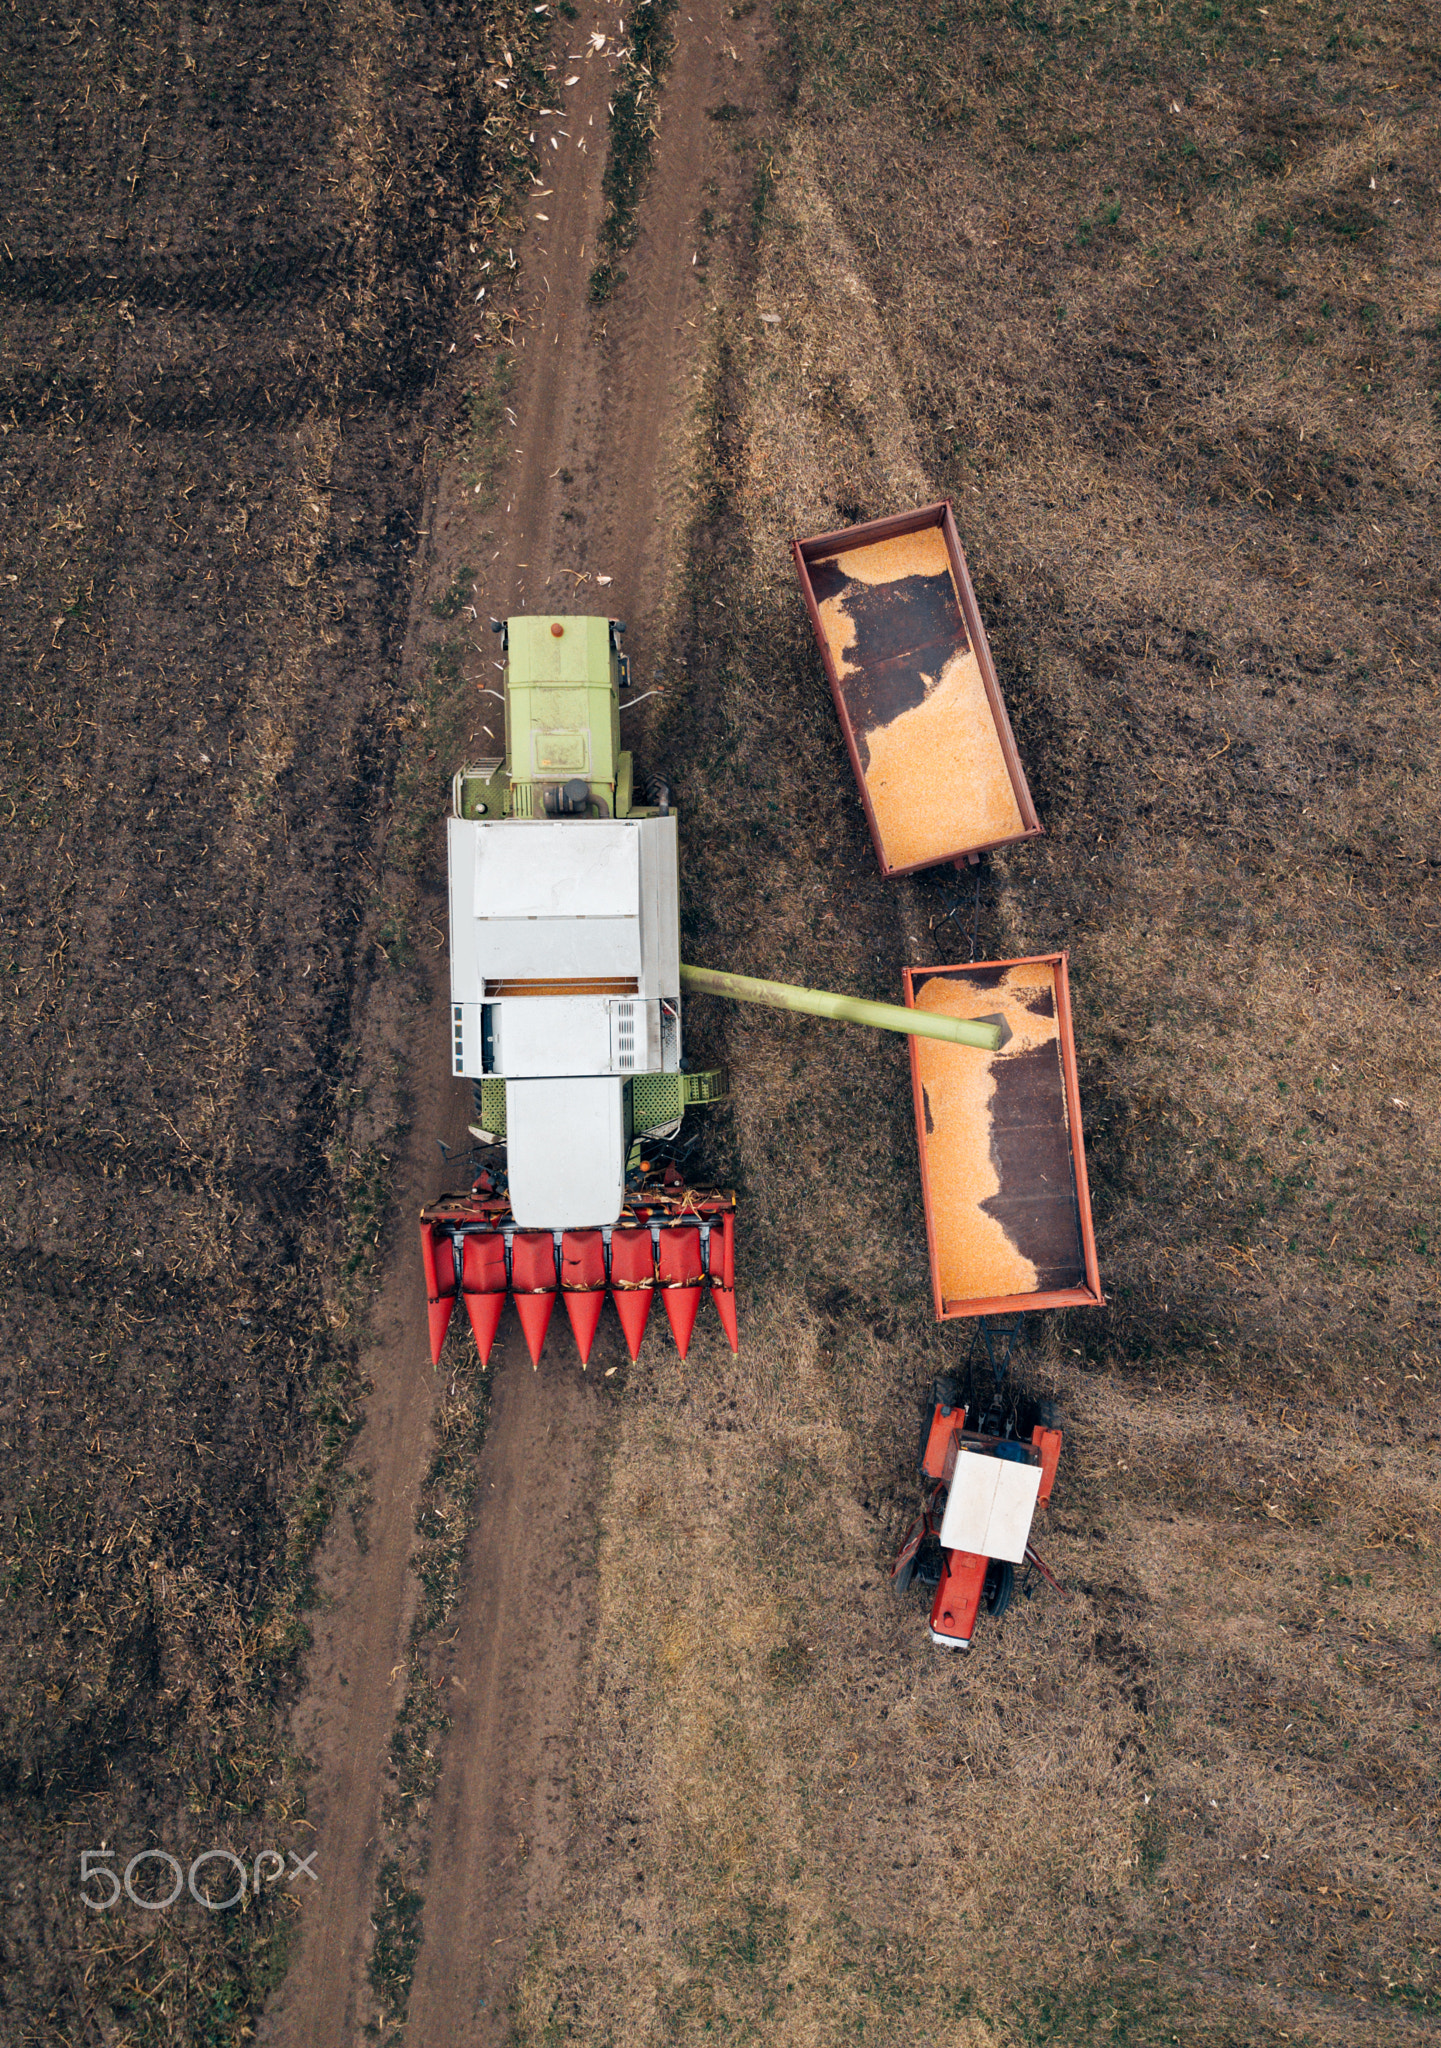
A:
(1003, 1165)
(905, 653)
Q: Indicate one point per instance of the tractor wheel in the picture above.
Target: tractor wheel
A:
(948, 1390)
(1000, 1579)
(928, 1562)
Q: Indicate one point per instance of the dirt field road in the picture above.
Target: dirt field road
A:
(589, 490)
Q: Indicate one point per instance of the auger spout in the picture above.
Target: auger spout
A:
(815, 1002)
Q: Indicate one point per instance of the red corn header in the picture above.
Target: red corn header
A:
(678, 1244)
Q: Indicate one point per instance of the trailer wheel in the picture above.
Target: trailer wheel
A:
(1048, 1415)
(1000, 1579)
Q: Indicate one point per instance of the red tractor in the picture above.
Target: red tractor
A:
(982, 1489)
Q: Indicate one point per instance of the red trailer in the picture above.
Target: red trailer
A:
(905, 653)
(1003, 1160)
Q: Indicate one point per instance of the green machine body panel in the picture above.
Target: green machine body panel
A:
(562, 710)
(562, 725)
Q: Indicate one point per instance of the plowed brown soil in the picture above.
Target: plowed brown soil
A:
(233, 242)
(583, 517)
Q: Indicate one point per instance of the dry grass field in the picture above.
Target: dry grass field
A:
(1153, 294)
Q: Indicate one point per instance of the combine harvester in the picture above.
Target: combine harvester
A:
(566, 984)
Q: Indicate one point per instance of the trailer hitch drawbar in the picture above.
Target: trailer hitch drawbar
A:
(815, 1002)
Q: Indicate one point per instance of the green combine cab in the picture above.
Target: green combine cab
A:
(563, 756)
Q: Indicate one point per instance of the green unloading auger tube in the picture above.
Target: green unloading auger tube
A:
(816, 1002)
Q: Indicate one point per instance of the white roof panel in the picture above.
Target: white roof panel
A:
(565, 1151)
(545, 1035)
(543, 948)
(530, 901)
(566, 868)
(990, 1506)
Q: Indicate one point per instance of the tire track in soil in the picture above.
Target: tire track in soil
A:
(598, 394)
